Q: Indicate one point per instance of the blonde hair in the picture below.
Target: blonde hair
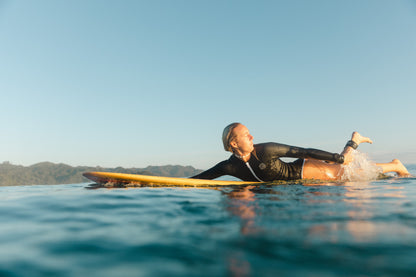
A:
(228, 135)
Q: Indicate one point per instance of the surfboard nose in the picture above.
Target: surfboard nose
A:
(90, 175)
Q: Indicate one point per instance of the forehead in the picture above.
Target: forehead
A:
(240, 130)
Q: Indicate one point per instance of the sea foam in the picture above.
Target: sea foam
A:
(360, 169)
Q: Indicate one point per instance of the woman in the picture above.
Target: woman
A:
(261, 162)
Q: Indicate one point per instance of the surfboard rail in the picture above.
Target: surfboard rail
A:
(148, 180)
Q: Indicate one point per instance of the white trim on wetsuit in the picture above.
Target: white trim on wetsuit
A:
(252, 172)
(301, 171)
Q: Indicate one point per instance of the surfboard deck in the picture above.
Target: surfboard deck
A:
(147, 180)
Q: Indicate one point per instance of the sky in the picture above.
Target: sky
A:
(138, 83)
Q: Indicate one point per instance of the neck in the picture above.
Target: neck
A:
(242, 157)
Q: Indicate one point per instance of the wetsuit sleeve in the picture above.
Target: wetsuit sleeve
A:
(283, 150)
(212, 173)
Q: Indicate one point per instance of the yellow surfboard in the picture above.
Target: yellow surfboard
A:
(147, 180)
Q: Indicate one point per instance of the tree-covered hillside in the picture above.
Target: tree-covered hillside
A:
(47, 173)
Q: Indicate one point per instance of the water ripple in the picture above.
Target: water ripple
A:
(335, 229)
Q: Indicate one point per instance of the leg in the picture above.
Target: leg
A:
(348, 150)
(394, 166)
(315, 169)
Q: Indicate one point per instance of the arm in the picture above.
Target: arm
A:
(212, 173)
(283, 150)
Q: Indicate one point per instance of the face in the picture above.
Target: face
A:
(243, 141)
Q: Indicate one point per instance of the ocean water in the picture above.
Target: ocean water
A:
(334, 229)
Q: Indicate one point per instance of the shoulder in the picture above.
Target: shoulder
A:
(226, 163)
(228, 166)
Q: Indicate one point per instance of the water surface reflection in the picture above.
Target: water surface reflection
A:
(321, 216)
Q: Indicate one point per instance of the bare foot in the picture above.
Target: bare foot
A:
(358, 139)
(401, 169)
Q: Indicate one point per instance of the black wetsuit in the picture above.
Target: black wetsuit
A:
(265, 165)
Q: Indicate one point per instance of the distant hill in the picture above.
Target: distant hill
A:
(47, 173)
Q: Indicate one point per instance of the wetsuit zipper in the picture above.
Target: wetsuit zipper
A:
(252, 172)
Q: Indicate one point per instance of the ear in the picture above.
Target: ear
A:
(233, 144)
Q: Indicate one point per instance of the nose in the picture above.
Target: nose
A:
(250, 137)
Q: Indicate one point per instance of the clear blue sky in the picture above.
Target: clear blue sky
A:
(137, 83)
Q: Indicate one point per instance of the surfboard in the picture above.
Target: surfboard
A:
(147, 180)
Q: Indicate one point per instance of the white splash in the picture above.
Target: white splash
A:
(360, 169)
